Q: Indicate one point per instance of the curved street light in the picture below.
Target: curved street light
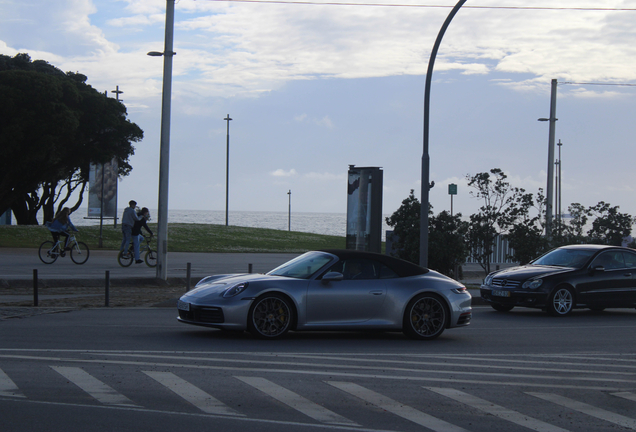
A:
(426, 185)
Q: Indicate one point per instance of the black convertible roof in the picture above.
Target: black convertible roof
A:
(399, 266)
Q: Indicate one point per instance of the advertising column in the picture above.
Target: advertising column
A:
(364, 209)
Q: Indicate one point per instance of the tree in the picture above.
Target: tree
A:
(406, 228)
(447, 236)
(447, 239)
(494, 216)
(52, 126)
(610, 226)
(525, 232)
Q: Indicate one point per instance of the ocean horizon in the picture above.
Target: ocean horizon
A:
(316, 223)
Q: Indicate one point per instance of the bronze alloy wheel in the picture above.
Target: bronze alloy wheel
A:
(270, 317)
(426, 317)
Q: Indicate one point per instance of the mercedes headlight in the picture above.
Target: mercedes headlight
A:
(234, 290)
(488, 279)
(532, 284)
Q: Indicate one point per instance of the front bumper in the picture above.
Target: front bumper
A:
(513, 297)
(228, 316)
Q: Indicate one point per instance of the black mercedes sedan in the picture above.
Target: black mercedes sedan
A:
(569, 277)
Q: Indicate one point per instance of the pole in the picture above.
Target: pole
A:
(227, 170)
(549, 208)
(559, 185)
(164, 153)
(425, 156)
(289, 214)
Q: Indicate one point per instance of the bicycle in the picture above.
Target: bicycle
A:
(125, 259)
(49, 252)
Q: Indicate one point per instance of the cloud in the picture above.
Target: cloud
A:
(282, 173)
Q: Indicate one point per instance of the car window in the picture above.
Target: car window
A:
(630, 259)
(610, 260)
(357, 269)
(387, 273)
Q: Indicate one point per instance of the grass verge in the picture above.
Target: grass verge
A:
(186, 238)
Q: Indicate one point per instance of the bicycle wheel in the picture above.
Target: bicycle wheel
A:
(47, 253)
(151, 258)
(125, 260)
(79, 253)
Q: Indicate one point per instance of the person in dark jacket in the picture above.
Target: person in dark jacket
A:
(144, 217)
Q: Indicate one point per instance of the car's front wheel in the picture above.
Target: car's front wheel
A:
(270, 316)
(501, 308)
(560, 302)
(426, 317)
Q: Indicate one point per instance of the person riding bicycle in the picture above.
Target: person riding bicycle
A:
(60, 226)
(127, 222)
(144, 215)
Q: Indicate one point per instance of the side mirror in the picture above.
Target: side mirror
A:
(332, 277)
(598, 268)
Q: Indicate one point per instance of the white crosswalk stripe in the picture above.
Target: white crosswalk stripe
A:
(590, 410)
(192, 394)
(496, 410)
(625, 395)
(8, 387)
(396, 407)
(297, 402)
(94, 387)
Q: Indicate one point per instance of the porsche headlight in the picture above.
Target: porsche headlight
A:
(236, 289)
(532, 284)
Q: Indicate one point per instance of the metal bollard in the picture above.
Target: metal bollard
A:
(107, 294)
(249, 268)
(35, 287)
(188, 276)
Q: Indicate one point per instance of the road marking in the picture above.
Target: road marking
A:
(590, 410)
(348, 375)
(191, 393)
(8, 387)
(397, 369)
(297, 402)
(625, 395)
(397, 408)
(496, 410)
(91, 385)
(254, 421)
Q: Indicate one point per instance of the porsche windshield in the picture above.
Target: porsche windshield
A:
(565, 258)
(304, 266)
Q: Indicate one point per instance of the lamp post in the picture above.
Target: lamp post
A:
(227, 170)
(558, 186)
(549, 206)
(164, 152)
(289, 214)
(426, 185)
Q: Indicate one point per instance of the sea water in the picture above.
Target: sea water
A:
(317, 223)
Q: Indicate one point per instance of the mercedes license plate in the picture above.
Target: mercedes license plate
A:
(500, 293)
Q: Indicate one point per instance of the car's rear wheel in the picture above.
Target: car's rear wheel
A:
(501, 308)
(560, 302)
(426, 317)
(270, 316)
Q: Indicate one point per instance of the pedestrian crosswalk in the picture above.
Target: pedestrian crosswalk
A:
(201, 397)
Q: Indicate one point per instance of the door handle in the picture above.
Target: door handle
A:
(627, 275)
(376, 292)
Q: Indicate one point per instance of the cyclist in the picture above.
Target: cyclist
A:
(127, 221)
(60, 226)
(144, 216)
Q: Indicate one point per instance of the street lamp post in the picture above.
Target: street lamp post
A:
(289, 214)
(549, 206)
(558, 186)
(426, 185)
(227, 170)
(164, 152)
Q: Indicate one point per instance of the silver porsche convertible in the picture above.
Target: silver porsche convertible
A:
(331, 290)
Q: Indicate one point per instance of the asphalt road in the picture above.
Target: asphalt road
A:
(141, 370)
(18, 264)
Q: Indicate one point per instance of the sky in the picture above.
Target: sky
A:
(313, 88)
